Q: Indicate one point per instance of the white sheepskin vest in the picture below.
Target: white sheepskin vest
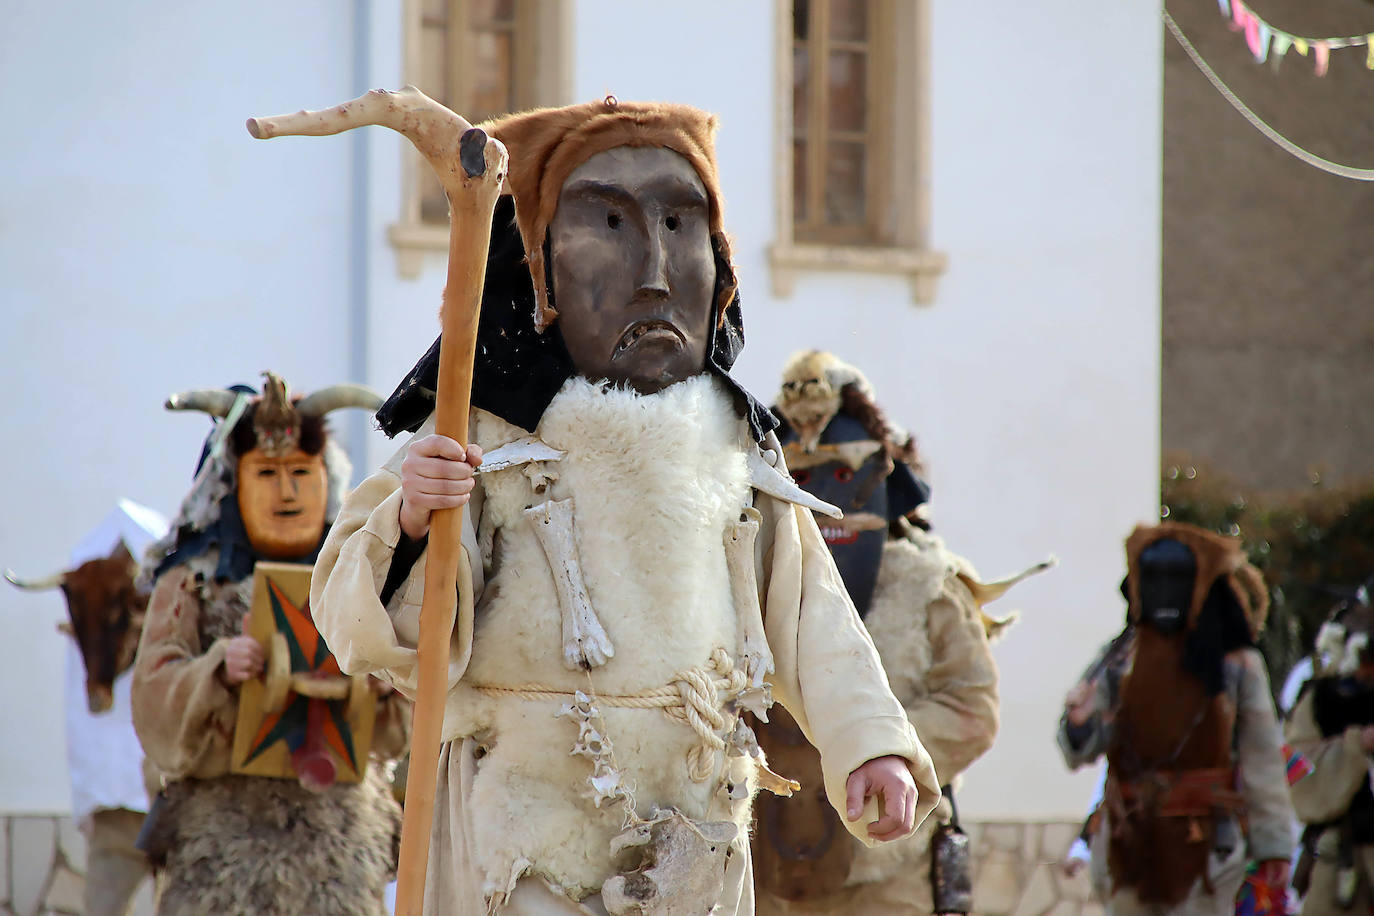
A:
(655, 480)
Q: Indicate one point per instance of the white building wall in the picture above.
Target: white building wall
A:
(147, 244)
(138, 222)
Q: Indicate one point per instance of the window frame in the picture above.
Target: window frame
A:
(892, 240)
(544, 50)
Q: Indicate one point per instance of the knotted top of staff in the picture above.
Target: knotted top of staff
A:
(636, 569)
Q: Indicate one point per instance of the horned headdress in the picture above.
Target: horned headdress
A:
(272, 421)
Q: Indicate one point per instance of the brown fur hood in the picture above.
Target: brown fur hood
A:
(547, 144)
(1218, 556)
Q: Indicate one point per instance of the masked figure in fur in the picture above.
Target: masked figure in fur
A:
(1180, 705)
(269, 480)
(1332, 725)
(922, 606)
(640, 567)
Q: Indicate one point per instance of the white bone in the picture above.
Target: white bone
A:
(585, 643)
(521, 451)
(669, 866)
(770, 480)
(739, 556)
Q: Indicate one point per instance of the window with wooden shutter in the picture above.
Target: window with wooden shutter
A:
(481, 58)
(853, 164)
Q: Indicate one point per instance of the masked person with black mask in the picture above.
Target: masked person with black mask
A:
(1180, 705)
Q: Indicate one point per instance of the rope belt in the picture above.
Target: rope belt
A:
(694, 696)
(1187, 793)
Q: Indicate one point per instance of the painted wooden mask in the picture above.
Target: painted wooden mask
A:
(633, 269)
(282, 497)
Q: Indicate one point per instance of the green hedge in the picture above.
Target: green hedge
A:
(1310, 545)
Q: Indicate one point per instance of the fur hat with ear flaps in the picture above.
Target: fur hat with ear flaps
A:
(547, 144)
(1219, 558)
(521, 361)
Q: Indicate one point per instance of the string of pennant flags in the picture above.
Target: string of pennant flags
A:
(1269, 43)
(1288, 146)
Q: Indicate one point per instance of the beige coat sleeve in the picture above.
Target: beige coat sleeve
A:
(828, 674)
(352, 568)
(1340, 765)
(957, 719)
(183, 713)
(1263, 770)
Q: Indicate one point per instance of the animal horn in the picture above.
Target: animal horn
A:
(214, 401)
(319, 403)
(36, 585)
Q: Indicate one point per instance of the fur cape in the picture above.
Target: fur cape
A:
(246, 844)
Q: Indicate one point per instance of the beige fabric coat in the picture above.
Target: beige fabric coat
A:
(828, 674)
(244, 844)
(1340, 770)
(927, 628)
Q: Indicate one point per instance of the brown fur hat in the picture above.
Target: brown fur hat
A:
(1217, 556)
(547, 144)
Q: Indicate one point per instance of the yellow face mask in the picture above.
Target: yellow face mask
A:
(282, 500)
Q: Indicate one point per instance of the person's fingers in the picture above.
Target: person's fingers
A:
(898, 811)
(856, 789)
(437, 446)
(430, 502)
(889, 825)
(435, 469)
(475, 455)
(441, 486)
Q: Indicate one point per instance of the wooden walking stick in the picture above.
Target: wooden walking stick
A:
(471, 167)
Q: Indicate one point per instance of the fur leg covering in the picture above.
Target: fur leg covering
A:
(268, 847)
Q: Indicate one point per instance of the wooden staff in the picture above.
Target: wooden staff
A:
(470, 166)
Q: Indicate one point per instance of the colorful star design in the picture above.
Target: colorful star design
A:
(310, 654)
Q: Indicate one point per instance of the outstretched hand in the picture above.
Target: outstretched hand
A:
(436, 474)
(888, 779)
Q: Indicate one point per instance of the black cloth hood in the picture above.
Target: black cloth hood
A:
(906, 492)
(517, 371)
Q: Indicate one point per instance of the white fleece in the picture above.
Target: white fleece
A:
(654, 480)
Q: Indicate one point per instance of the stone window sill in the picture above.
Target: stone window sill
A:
(922, 267)
(412, 242)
